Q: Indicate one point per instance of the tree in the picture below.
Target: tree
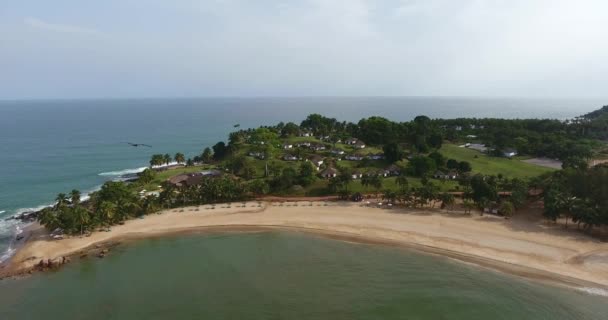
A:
(345, 176)
(307, 173)
(420, 166)
(376, 183)
(452, 164)
(48, 218)
(167, 158)
(392, 152)
(248, 171)
(207, 155)
(259, 187)
(389, 195)
(179, 157)
(439, 159)
(447, 200)
(106, 211)
(435, 140)
(147, 176)
(507, 208)
(290, 129)
(62, 200)
(468, 205)
(157, 160)
(464, 166)
(402, 181)
(75, 197)
(82, 217)
(219, 151)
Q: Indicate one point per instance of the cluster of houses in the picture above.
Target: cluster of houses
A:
(450, 175)
(392, 170)
(361, 157)
(355, 143)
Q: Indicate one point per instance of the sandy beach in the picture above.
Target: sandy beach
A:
(518, 246)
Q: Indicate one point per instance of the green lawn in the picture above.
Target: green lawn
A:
(481, 163)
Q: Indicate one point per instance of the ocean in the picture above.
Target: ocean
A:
(277, 275)
(47, 147)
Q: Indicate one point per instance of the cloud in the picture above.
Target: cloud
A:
(55, 27)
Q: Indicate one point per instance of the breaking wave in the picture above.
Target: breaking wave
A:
(122, 172)
(594, 291)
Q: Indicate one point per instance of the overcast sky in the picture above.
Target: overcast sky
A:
(185, 48)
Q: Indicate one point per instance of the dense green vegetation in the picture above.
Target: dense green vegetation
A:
(416, 163)
(119, 201)
(579, 194)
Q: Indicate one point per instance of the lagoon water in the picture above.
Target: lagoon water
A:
(275, 275)
(47, 147)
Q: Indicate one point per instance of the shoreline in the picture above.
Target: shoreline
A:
(574, 260)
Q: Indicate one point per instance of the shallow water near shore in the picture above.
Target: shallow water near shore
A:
(280, 275)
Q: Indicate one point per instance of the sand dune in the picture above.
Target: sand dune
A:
(517, 246)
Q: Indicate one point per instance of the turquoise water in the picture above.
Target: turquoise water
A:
(283, 276)
(47, 147)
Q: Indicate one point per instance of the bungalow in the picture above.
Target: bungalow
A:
(393, 170)
(445, 176)
(376, 156)
(305, 134)
(509, 153)
(354, 157)
(289, 157)
(452, 174)
(317, 147)
(351, 141)
(329, 172)
(287, 146)
(477, 146)
(192, 179)
(458, 128)
(379, 173)
(357, 175)
(359, 145)
(316, 160)
(303, 144)
(258, 155)
(337, 151)
(471, 136)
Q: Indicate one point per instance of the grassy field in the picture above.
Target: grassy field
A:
(481, 163)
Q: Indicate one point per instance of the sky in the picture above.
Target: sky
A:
(185, 48)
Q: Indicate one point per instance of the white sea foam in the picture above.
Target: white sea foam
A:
(594, 291)
(2, 211)
(122, 172)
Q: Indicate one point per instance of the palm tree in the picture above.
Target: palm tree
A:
(179, 157)
(376, 182)
(106, 212)
(75, 197)
(345, 177)
(48, 218)
(81, 216)
(402, 181)
(167, 158)
(61, 200)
